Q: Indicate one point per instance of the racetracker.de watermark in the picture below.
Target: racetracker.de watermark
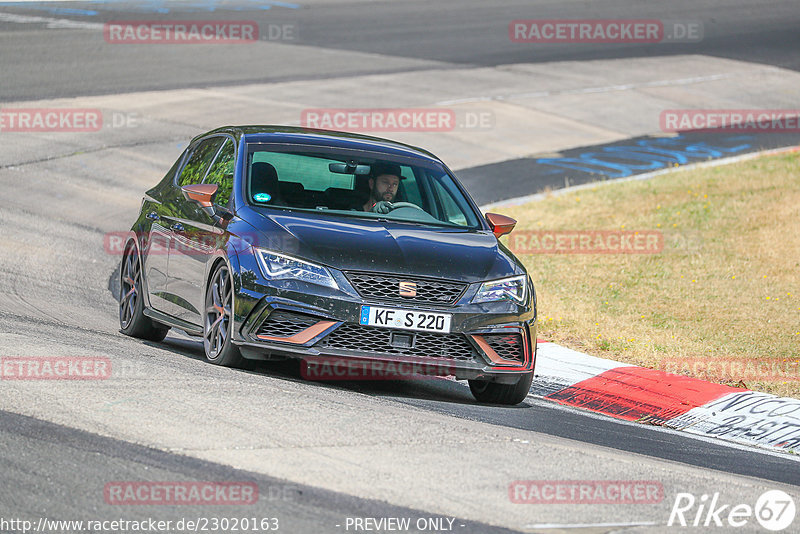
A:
(586, 492)
(55, 368)
(326, 368)
(586, 242)
(180, 493)
(396, 119)
(598, 31)
(198, 243)
(64, 120)
(731, 120)
(735, 369)
(181, 32)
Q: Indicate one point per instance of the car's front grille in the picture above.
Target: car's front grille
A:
(387, 287)
(507, 346)
(379, 341)
(282, 323)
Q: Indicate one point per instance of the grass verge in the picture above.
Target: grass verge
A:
(720, 302)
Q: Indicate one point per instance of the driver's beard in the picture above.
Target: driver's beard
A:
(388, 194)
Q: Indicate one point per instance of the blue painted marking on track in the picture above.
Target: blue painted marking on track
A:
(645, 155)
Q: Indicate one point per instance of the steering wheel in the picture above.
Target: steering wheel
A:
(385, 206)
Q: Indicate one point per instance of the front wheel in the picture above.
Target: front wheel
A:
(494, 393)
(132, 320)
(218, 323)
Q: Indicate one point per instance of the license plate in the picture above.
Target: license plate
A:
(405, 319)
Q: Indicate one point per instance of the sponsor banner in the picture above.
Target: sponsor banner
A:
(586, 242)
(181, 32)
(746, 416)
(55, 368)
(586, 492)
(180, 493)
(731, 120)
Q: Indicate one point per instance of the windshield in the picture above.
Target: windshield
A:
(366, 185)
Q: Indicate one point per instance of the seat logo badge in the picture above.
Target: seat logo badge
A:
(408, 289)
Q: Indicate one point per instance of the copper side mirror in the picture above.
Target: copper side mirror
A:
(500, 224)
(200, 193)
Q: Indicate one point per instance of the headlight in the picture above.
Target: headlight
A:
(513, 289)
(276, 266)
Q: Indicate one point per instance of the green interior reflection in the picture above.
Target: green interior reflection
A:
(395, 190)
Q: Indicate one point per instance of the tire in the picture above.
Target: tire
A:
(494, 393)
(132, 321)
(218, 320)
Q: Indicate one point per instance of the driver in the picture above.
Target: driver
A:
(383, 183)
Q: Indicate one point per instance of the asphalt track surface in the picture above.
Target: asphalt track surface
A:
(49, 476)
(442, 34)
(332, 450)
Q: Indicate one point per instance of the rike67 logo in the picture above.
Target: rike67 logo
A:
(774, 510)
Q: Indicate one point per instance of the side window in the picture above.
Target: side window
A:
(221, 173)
(198, 163)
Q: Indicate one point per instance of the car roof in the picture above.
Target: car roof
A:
(328, 138)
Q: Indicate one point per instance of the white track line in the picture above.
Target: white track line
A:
(592, 90)
(589, 525)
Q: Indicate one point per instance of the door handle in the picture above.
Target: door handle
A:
(178, 227)
(153, 216)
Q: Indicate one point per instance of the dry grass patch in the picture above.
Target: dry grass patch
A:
(725, 288)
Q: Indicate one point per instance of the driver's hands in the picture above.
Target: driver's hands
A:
(383, 206)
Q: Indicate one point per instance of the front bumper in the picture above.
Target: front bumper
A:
(491, 341)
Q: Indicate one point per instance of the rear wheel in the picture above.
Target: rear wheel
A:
(132, 321)
(218, 323)
(495, 393)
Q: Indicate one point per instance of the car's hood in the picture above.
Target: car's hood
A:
(386, 246)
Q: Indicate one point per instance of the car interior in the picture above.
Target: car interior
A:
(285, 192)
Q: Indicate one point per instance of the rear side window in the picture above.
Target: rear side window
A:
(195, 169)
(221, 173)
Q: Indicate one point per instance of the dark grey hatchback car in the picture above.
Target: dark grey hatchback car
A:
(361, 257)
